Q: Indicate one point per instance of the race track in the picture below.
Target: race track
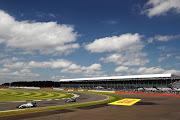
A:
(149, 108)
(81, 99)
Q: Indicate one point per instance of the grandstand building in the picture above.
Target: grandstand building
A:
(123, 82)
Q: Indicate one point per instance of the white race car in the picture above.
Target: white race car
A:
(27, 105)
(73, 99)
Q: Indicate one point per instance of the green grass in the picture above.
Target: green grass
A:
(110, 99)
(27, 95)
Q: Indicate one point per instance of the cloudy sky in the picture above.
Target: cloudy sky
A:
(55, 39)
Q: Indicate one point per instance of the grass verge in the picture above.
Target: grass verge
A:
(27, 95)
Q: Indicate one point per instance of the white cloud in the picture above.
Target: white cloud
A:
(17, 73)
(177, 57)
(5, 61)
(57, 77)
(177, 72)
(16, 65)
(4, 70)
(15, 59)
(166, 37)
(117, 58)
(141, 70)
(59, 63)
(9, 60)
(8, 75)
(163, 38)
(112, 22)
(66, 70)
(127, 48)
(121, 69)
(52, 15)
(144, 70)
(162, 58)
(161, 7)
(154, 70)
(129, 59)
(116, 43)
(95, 66)
(47, 37)
(136, 62)
(150, 40)
(162, 48)
(23, 73)
(26, 52)
(65, 65)
(90, 71)
(73, 68)
(2, 55)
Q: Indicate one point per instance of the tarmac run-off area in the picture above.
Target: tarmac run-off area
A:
(149, 108)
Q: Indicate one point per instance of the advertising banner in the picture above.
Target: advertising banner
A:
(126, 101)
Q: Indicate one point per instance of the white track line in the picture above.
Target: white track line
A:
(37, 100)
(12, 110)
(18, 101)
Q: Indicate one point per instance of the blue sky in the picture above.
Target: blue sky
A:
(51, 40)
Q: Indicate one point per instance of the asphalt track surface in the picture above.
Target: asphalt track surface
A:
(149, 108)
(83, 97)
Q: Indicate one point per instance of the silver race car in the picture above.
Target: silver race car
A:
(27, 105)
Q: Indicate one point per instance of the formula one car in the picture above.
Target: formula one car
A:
(73, 99)
(27, 105)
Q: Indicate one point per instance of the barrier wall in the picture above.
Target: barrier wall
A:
(89, 90)
(14, 87)
(47, 88)
(104, 91)
(148, 94)
(80, 90)
(126, 92)
(70, 90)
(58, 89)
(31, 87)
(4, 86)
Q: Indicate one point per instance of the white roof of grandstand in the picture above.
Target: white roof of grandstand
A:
(122, 77)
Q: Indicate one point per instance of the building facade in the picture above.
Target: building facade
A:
(123, 82)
